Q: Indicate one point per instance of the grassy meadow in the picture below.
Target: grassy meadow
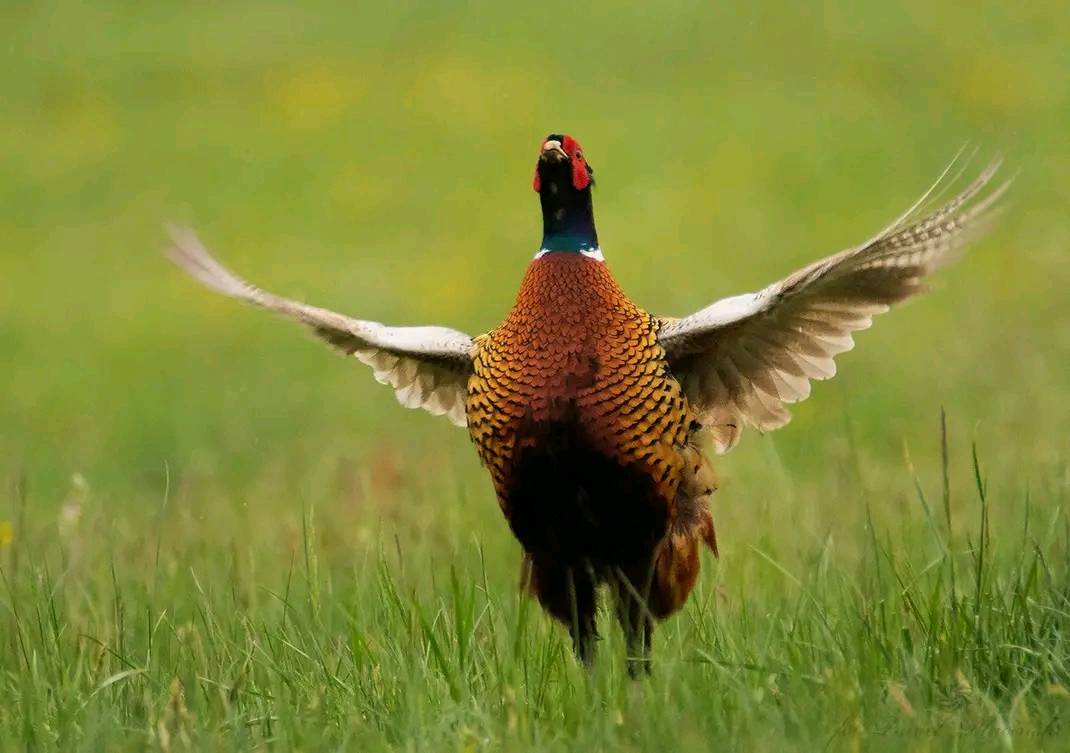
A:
(215, 534)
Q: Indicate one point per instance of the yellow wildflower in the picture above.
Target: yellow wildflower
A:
(7, 533)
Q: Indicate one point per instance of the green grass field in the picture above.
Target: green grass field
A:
(217, 535)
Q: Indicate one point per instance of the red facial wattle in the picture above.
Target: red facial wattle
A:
(581, 174)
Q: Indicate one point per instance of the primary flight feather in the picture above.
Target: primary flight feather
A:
(590, 413)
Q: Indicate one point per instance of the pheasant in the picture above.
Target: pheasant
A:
(591, 414)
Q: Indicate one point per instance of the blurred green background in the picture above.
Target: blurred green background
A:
(378, 159)
(172, 462)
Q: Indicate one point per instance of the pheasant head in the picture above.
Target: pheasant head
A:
(563, 180)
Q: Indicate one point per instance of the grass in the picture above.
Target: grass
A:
(935, 636)
(216, 536)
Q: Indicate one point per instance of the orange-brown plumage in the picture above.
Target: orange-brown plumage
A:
(574, 342)
(576, 371)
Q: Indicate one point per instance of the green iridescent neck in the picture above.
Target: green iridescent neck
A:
(568, 220)
(569, 241)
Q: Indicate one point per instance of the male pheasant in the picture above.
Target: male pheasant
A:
(590, 412)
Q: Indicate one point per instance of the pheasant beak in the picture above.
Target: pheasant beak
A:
(552, 151)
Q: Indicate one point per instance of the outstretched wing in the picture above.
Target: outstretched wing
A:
(428, 367)
(742, 359)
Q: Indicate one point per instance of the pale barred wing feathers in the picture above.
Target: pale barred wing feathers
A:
(743, 359)
(428, 367)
